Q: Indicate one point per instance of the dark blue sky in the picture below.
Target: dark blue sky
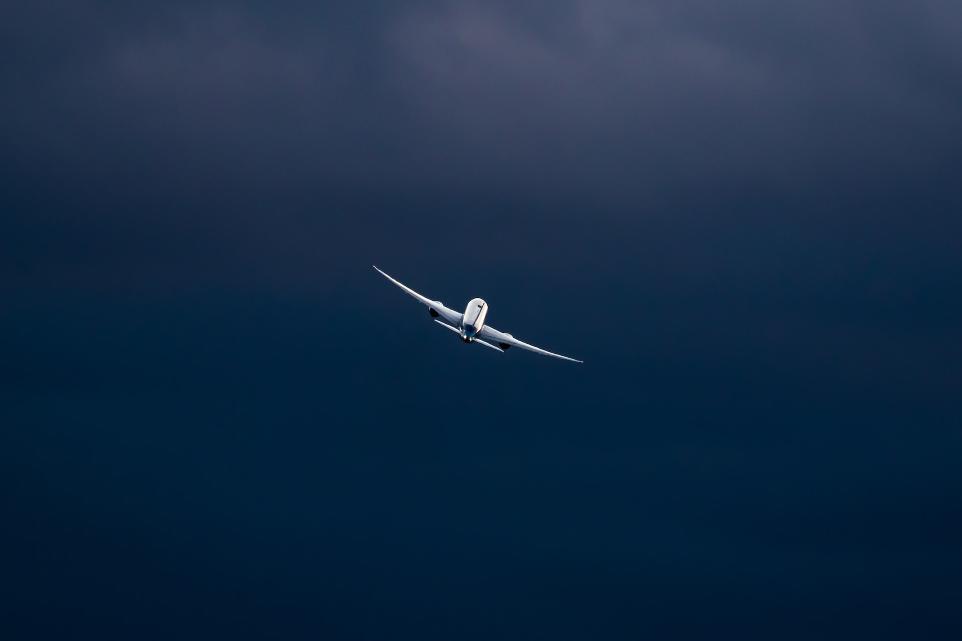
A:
(217, 420)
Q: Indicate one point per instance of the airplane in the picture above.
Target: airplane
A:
(470, 325)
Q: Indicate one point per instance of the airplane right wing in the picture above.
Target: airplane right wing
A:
(504, 341)
(437, 308)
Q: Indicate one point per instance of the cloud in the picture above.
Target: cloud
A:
(592, 97)
(240, 125)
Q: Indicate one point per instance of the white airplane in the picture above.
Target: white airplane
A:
(470, 325)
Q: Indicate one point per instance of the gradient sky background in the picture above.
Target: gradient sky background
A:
(218, 421)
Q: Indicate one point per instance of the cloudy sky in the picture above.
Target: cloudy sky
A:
(217, 419)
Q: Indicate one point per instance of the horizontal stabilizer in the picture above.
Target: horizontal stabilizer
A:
(487, 344)
(446, 326)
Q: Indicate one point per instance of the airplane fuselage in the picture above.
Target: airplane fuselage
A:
(473, 319)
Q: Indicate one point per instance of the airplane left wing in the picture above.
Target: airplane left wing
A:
(505, 341)
(449, 316)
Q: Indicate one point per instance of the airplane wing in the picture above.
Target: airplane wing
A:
(505, 341)
(449, 316)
